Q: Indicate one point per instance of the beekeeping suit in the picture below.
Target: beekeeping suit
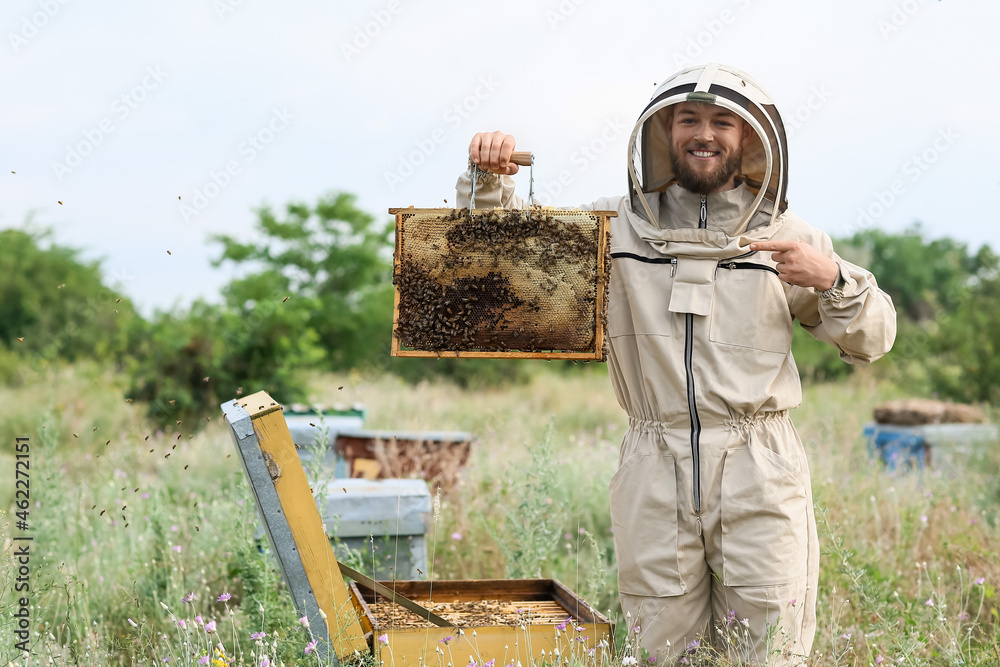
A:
(711, 502)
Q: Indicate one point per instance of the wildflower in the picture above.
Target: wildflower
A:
(132, 623)
(225, 597)
(446, 640)
(304, 621)
(929, 603)
(792, 602)
(846, 635)
(456, 535)
(490, 663)
(210, 627)
(199, 620)
(258, 635)
(562, 626)
(203, 660)
(745, 622)
(880, 659)
(187, 598)
(923, 518)
(980, 581)
(311, 646)
(265, 662)
(651, 659)
(181, 622)
(580, 628)
(384, 639)
(629, 661)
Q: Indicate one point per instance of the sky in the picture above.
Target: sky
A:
(132, 129)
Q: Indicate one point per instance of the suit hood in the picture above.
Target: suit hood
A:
(765, 155)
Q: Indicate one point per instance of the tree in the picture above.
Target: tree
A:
(335, 254)
(57, 304)
(923, 277)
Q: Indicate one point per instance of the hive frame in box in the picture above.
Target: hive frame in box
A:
(339, 617)
(603, 268)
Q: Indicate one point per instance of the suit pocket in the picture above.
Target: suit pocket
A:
(750, 309)
(764, 518)
(644, 518)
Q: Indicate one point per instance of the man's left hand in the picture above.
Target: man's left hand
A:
(801, 264)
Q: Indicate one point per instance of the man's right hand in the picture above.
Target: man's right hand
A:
(491, 151)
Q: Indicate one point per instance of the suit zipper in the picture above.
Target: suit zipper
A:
(689, 372)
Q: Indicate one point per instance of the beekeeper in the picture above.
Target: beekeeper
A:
(711, 502)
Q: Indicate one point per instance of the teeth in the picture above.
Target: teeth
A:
(703, 153)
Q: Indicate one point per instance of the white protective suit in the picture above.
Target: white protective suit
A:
(711, 503)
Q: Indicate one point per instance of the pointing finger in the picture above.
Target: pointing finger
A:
(779, 246)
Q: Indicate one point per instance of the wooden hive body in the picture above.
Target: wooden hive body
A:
(505, 620)
(344, 619)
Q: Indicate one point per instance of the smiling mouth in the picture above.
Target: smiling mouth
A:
(704, 154)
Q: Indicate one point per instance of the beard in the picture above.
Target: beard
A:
(707, 183)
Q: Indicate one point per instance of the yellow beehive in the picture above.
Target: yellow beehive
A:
(505, 620)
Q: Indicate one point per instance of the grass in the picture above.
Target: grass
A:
(127, 519)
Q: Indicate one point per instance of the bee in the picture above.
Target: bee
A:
(60, 202)
(169, 253)
(20, 340)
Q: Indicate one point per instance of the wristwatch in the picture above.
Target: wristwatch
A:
(835, 293)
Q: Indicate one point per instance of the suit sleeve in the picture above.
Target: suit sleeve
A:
(857, 318)
(492, 191)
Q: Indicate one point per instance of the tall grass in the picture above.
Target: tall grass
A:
(909, 570)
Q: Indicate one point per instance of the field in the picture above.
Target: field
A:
(138, 532)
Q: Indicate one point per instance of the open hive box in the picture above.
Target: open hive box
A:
(501, 283)
(504, 621)
(508, 621)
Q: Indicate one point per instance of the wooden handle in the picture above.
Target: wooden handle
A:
(521, 158)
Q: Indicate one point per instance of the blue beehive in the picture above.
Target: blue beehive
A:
(898, 447)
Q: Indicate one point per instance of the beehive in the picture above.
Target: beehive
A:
(502, 620)
(501, 283)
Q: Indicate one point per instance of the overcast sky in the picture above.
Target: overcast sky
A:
(117, 109)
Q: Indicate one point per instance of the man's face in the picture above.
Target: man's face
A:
(706, 146)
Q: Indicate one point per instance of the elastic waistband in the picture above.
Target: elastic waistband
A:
(745, 422)
(736, 423)
(647, 425)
